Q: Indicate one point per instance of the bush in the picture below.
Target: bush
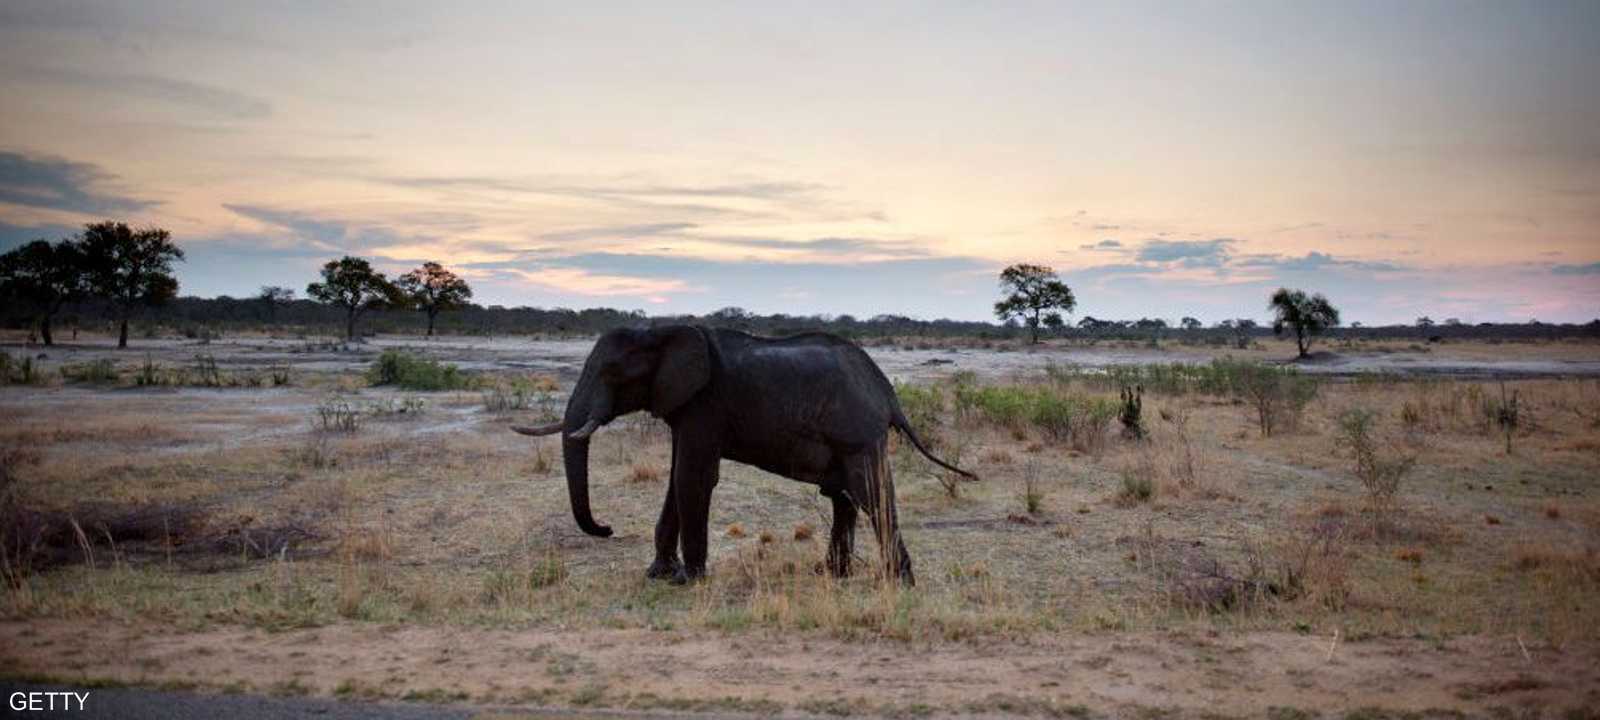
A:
(338, 416)
(1132, 409)
(1138, 485)
(1380, 471)
(923, 405)
(395, 367)
(1279, 395)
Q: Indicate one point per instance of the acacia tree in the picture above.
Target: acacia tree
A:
(1033, 293)
(44, 275)
(272, 296)
(131, 268)
(431, 288)
(1308, 315)
(351, 283)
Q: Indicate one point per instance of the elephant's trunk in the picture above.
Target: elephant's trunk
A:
(589, 408)
(575, 451)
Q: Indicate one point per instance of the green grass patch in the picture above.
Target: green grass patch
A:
(402, 369)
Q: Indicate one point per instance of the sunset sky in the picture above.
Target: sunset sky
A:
(1169, 159)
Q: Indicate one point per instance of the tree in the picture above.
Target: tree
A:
(1308, 315)
(273, 296)
(431, 288)
(1424, 322)
(1241, 329)
(44, 275)
(351, 283)
(1033, 293)
(131, 268)
(1190, 323)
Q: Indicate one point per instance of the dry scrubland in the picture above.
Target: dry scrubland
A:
(1265, 541)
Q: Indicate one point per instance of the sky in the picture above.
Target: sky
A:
(1168, 159)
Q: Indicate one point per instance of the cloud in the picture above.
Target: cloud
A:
(1313, 261)
(577, 281)
(1107, 244)
(1589, 269)
(620, 231)
(1188, 253)
(859, 249)
(746, 190)
(210, 98)
(59, 184)
(329, 233)
(701, 285)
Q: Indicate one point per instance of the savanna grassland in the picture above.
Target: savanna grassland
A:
(1157, 533)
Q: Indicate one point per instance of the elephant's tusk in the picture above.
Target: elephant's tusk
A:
(583, 432)
(550, 429)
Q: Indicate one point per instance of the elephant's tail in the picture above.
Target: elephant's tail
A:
(900, 423)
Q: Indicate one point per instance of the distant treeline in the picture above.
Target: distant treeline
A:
(194, 317)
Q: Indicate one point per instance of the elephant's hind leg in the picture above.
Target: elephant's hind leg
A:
(841, 539)
(872, 488)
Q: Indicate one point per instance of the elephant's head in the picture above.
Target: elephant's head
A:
(658, 369)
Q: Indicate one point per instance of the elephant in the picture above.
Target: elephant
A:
(811, 407)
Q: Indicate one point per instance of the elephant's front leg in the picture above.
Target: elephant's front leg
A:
(696, 459)
(666, 564)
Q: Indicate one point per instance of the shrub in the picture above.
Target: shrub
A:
(408, 371)
(923, 405)
(1138, 482)
(1379, 471)
(1279, 395)
(951, 482)
(338, 416)
(1132, 407)
(1007, 406)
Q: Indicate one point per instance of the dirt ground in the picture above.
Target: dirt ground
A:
(1167, 674)
(426, 553)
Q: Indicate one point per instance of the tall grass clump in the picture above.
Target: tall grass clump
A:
(97, 372)
(402, 369)
(519, 393)
(206, 373)
(1503, 414)
(18, 371)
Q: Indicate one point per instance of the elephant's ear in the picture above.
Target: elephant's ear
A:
(685, 369)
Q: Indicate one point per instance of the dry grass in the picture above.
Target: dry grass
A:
(641, 472)
(443, 521)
